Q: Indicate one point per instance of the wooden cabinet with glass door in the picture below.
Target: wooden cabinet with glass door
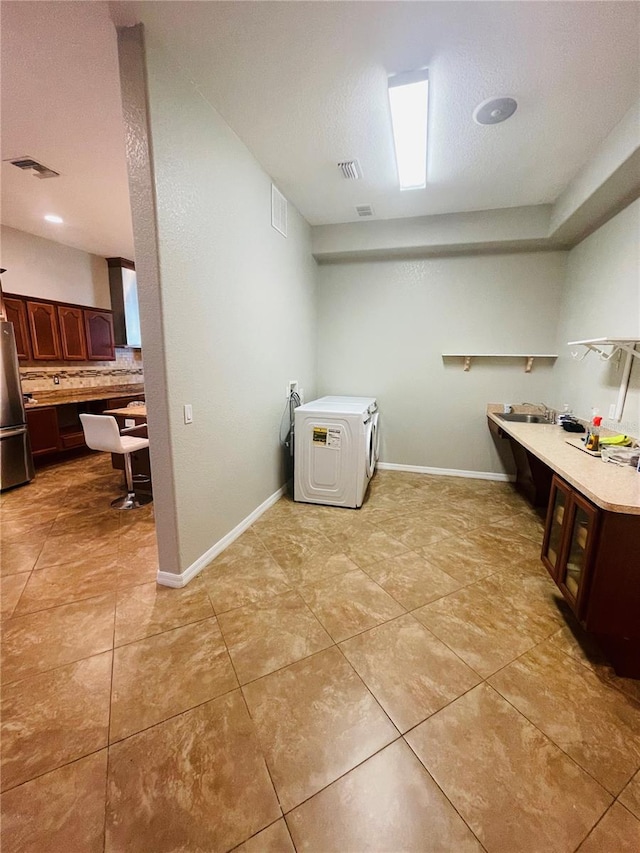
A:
(572, 525)
(554, 534)
(574, 570)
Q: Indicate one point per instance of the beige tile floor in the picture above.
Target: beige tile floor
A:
(400, 678)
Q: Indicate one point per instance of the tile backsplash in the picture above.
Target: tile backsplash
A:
(126, 369)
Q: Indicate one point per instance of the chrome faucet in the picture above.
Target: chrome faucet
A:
(548, 414)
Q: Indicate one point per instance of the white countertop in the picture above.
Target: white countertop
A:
(611, 487)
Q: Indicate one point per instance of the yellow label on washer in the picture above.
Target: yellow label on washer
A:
(320, 436)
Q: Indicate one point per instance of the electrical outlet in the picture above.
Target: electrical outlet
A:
(612, 411)
(56, 379)
(292, 387)
(188, 413)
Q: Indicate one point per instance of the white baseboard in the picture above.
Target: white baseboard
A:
(448, 472)
(178, 581)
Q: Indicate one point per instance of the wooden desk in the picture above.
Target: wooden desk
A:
(138, 413)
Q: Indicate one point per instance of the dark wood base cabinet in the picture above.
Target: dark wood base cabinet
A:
(533, 477)
(594, 557)
(56, 431)
(43, 429)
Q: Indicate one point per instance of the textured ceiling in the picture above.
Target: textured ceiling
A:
(304, 85)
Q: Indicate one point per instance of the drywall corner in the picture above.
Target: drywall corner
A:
(143, 206)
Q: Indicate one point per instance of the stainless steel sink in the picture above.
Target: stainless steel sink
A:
(522, 418)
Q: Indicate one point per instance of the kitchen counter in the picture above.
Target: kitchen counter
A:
(83, 395)
(611, 487)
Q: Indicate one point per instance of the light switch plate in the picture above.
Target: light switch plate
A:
(612, 411)
(188, 413)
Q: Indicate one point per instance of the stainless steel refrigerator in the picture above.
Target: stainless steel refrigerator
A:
(16, 462)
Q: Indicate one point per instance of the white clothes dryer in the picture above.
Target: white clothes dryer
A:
(336, 442)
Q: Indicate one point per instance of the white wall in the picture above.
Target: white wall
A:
(237, 317)
(384, 325)
(601, 298)
(39, 267)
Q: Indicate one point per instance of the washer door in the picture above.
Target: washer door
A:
(376, 440)
(370, 445)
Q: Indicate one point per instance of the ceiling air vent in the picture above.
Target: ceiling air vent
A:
(351, 170)
(29, 164)
(364, 210)
(278, 211)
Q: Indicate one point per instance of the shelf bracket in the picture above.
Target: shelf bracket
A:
(618, 346)
(528, 364)
(580, 357)
(467, 363)
(624, 385)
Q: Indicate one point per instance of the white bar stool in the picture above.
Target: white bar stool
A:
(101, 433)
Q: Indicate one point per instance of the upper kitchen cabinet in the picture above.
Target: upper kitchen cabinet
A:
(72, 335)
(58, 331)
(99, 333)
(17, 314)
(43, 325)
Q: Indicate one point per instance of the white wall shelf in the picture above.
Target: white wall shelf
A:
(607, 348)
(528, 358)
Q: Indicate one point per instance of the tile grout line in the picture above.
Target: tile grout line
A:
(558, 746)
(44, 542)
(342, 775)
(53, 769)
(264, 760)
(164, 631)
(606, 677)
(436, 783)
(106, 779)
(369, 691)
(244, 700)
(59, 604)
(597, 823)
(172, 717)
(59, 666)
(264, 828)
(368, 758)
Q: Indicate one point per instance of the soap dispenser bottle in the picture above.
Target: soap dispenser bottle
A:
(593, 439)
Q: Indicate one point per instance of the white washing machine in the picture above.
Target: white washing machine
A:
(335, 450)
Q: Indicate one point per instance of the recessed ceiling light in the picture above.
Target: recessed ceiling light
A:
(409, 100)
(51, 217)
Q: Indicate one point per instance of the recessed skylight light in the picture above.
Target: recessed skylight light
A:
(51, 217)
(409, 100)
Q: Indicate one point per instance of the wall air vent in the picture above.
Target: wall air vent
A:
(28, 164)
(351, 170)
(364, 210)
(278, 211)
